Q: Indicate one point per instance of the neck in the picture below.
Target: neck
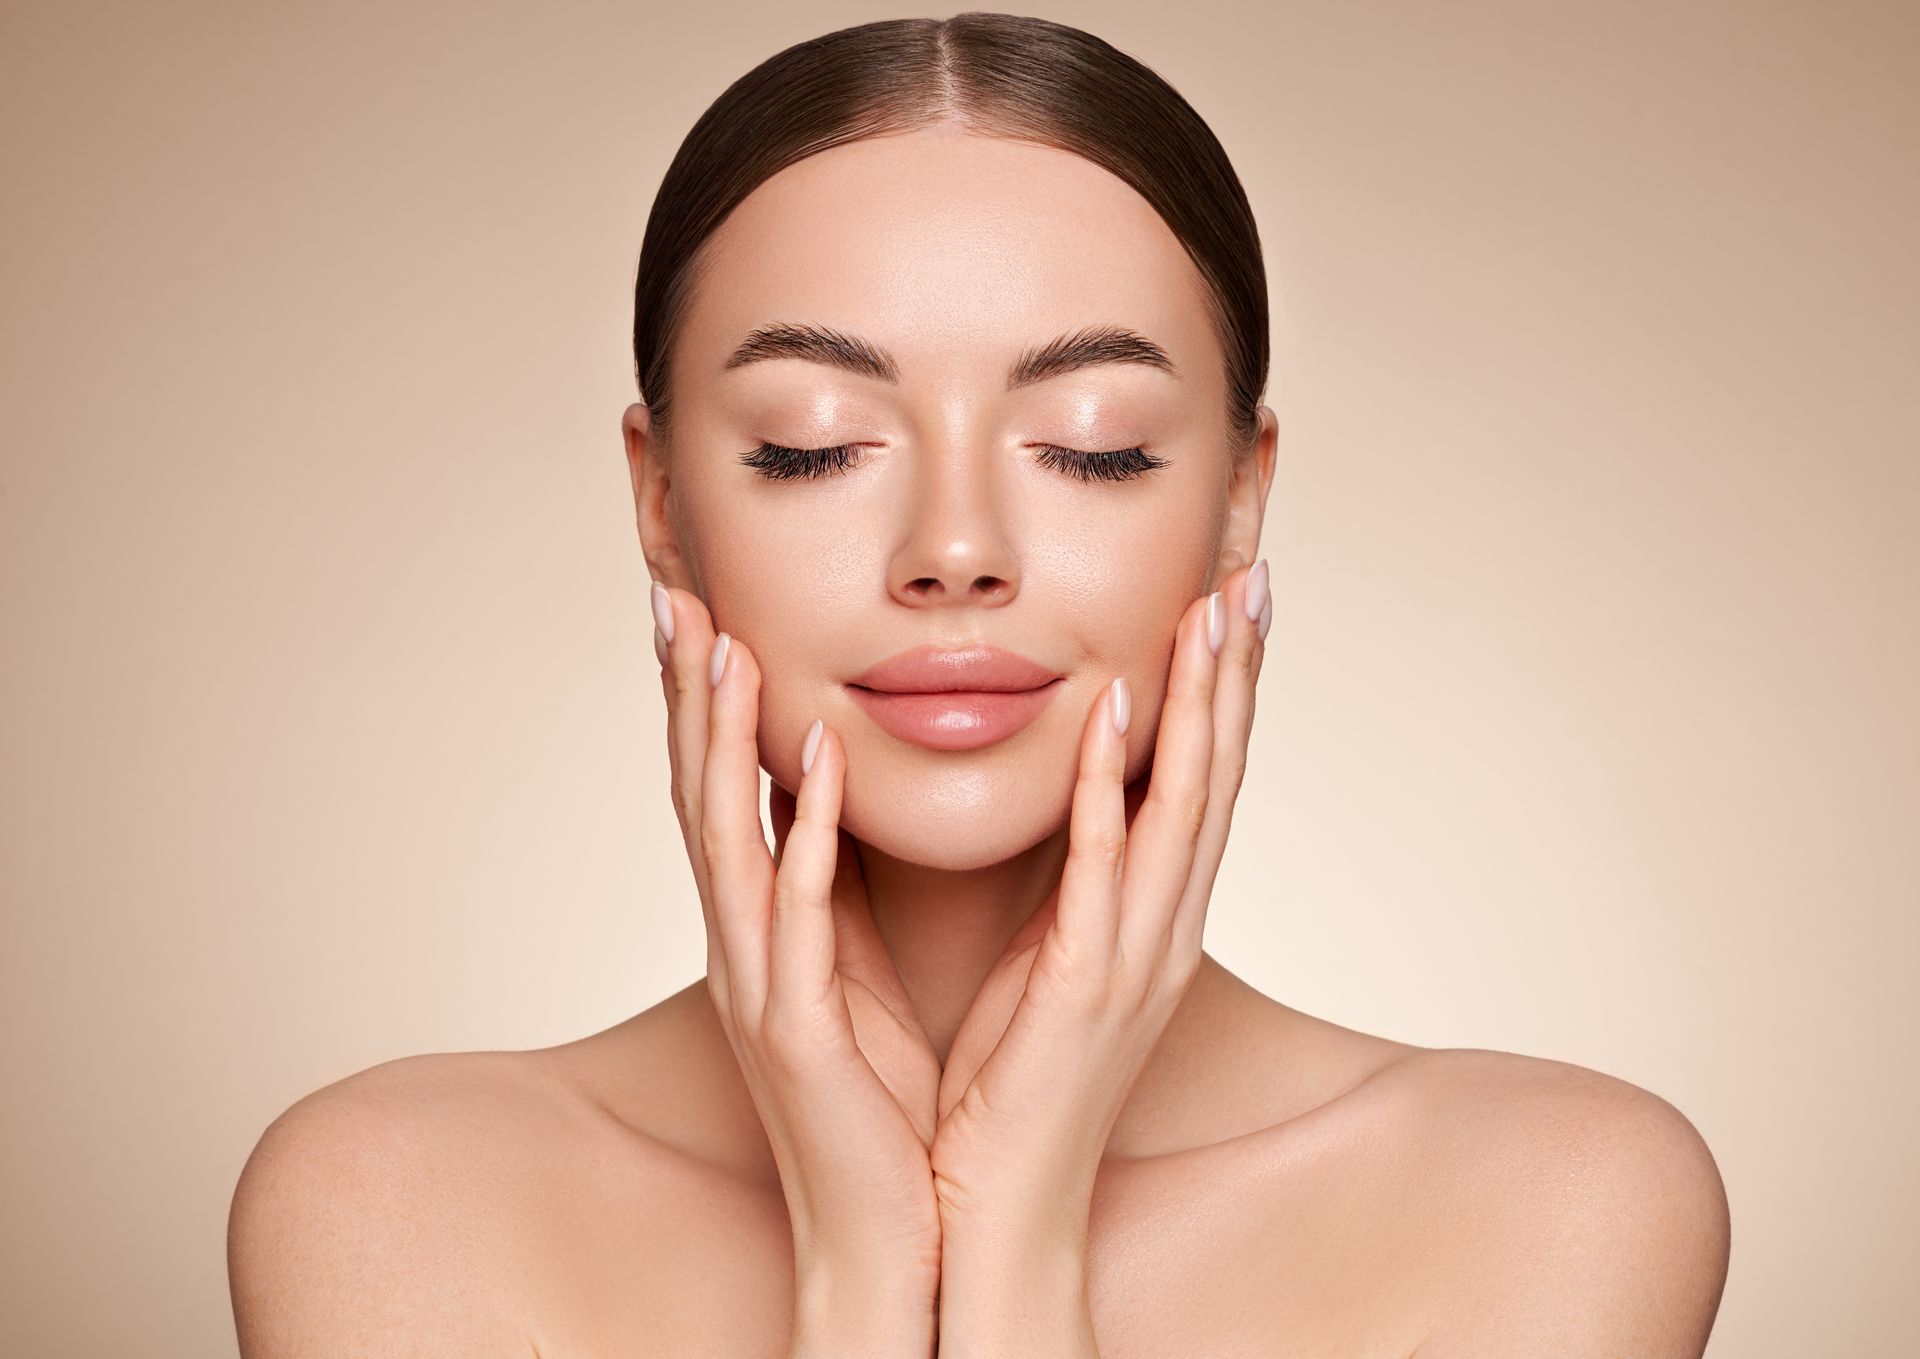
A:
(945, 928)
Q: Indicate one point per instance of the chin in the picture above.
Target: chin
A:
(951, 810)
(956, 817)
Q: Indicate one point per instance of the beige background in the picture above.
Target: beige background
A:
(331, 730)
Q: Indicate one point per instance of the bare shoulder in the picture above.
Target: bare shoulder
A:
(389, 1213)
(1575, 1213)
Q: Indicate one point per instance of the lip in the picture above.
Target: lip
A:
(947, 698)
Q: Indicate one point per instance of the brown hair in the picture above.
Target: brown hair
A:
(1001, 75)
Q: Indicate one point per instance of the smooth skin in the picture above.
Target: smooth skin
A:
(1046, 1054)
(966, 1068)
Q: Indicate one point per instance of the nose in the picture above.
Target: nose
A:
(955, 550)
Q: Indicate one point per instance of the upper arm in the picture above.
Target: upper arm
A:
(359, 1226)
(1602, 1228)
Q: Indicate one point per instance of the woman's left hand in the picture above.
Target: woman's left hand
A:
(1044, 1059)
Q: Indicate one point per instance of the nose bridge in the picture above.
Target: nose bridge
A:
(956, 548)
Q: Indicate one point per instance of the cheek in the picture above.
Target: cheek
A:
(761, 555)
(809, 610)
(1117, 597)
(1119, 588)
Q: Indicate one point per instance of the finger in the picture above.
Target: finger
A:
(1088, 912)
(681, 620)
(1161, 844)
(732, 837)
(1247, 596)
(1260, 599)
(801, 935)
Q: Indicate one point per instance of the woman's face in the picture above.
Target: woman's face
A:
(954, 260)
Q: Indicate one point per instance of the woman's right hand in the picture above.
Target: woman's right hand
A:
(837, 1063)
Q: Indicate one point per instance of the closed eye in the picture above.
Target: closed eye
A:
(1116, 465)
(779, 463)
(784, 464)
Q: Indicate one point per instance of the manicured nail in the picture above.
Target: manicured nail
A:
(1216, 621)
(810, 745)
(721, 645)
(663, 610)
(1119, 705)
(1256, 590)
(1266, 618)
(660, 648)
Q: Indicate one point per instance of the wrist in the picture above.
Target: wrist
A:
(1007, 1259)
(851, 1312)
(1045, 1229)
(1015, 1291)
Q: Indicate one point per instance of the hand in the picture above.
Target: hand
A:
(838, 1065)
(1045, 1057)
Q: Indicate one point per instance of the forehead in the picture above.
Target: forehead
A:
(951, 250)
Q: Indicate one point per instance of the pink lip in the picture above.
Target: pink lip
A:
(947, 699)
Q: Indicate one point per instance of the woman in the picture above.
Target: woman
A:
(950, 476)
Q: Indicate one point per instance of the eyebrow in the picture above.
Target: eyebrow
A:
(1083, 348)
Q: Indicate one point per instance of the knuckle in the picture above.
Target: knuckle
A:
(789, 897)
(789, 1042)
(1083, 990)
(713, 842)
(1168, 986)
(683, 806)
(777, 1047)
(1187, 810)
(1100, 849)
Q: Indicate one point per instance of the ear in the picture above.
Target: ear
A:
(647, 469)
(1247, 486)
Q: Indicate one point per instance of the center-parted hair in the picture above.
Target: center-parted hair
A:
(999, 75)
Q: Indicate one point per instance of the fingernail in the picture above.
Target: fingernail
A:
(1119, 705)
(660, 648)
(1256, 590)
(663, 610)
(721, 644)
(810, 745)
(1266, 618)
(1216, 622)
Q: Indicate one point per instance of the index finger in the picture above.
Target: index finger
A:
(1161, 843)
(732, 838)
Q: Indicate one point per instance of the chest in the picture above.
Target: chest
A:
(1212, 1256)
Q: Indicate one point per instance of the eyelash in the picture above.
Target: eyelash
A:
(778, 463)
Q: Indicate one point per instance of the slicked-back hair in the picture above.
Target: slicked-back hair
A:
(1001, 75)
